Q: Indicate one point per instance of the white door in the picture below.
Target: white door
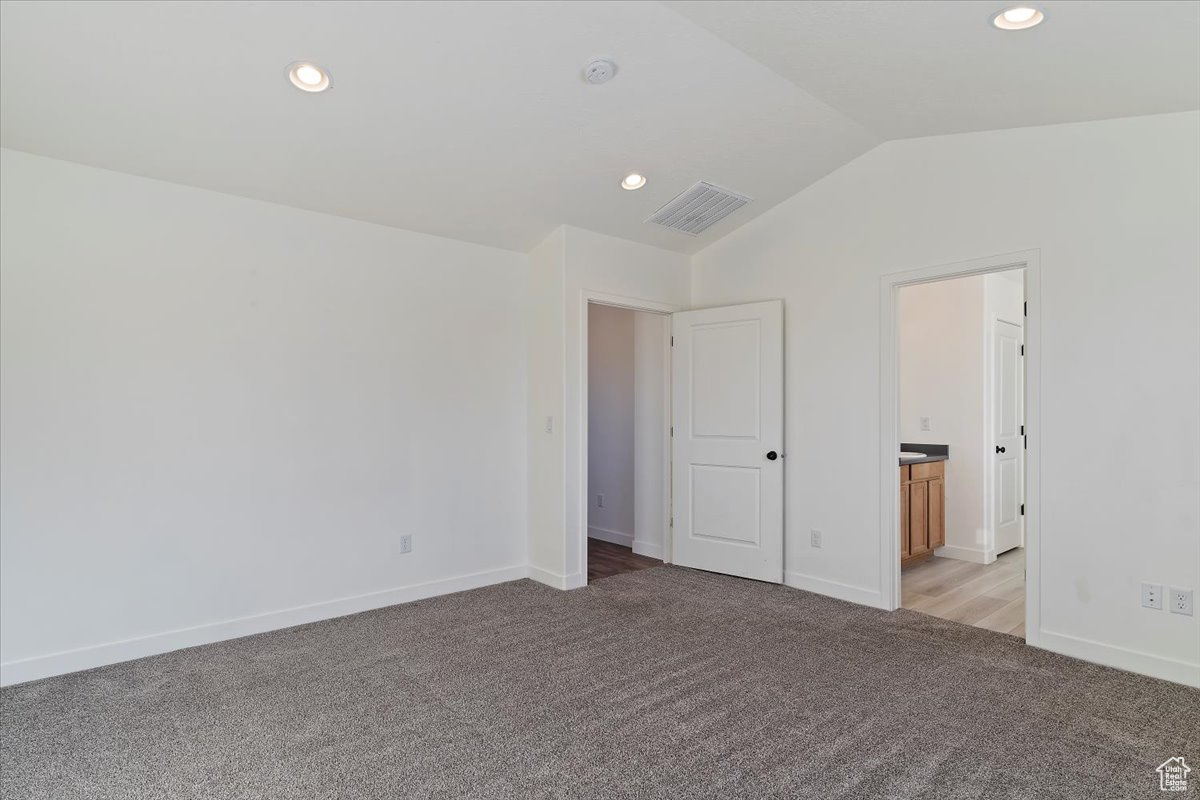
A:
(1008, 441)
(727, 440)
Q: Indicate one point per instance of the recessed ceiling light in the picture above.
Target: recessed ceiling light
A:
(308, 77)
(1018, 18)
(633, 181)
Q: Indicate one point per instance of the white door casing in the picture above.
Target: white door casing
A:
(727, 404)
(1007, 450)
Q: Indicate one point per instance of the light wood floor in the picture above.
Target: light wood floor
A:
(988, 596)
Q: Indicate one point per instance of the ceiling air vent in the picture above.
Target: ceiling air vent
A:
(698, 208)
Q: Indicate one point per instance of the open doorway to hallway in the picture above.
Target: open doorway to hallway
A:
(627, 368)
(961, 475)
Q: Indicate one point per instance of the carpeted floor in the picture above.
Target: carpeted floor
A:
(662, 683)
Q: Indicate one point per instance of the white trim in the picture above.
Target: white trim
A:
(840, 591)
(555, 581)
(1168, 669)
(577, 506)
(648, 549)
(613, 537)
(965, 554)
(889, 425)
(28, 669)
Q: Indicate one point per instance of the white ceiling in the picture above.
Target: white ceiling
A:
(906, 69)
(471, 120)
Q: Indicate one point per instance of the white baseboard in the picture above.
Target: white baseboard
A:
(29, 669)
(555, 580)
(841, 591)
(964, 554)
(1168, 669)
(615, 537)
(648, 549)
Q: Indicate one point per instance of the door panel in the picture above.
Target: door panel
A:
(725, 384)
(918, 517)
(727, 495)
(937, 510)
(1008, 450)
(725, 503)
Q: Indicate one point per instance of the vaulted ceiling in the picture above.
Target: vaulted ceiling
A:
(471, 119)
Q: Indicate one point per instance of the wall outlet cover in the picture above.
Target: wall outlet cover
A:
(1152, 595)
(406, 544)
(926, 423)
(1180, 601)
(815, 538)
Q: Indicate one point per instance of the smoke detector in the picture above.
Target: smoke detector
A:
(698, 208)
(599, 71)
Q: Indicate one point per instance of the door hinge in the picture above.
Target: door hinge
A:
(1022, 509)
(672, 522)
(672, 341)
(1022, 430)
(1022, 349)
(672, 430)
(1025, 308)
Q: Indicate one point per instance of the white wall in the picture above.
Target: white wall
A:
(545, 380)
(650, 416)
(611, 435)
(940, 340)
(220, 415)
(1112, 206)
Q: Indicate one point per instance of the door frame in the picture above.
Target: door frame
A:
(889, 420)
(580, 501)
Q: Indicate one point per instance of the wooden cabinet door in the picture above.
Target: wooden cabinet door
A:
(937, 513)
(918, 518)
(904, 551)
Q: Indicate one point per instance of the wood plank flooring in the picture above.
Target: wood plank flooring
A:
(606, 559)
(990, 596)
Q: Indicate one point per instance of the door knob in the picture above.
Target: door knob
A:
(771, 456)
(999, 449)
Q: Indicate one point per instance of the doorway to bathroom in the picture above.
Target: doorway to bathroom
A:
(959, 472)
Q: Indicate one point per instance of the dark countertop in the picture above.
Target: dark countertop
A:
(933, 452)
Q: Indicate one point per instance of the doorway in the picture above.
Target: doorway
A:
(627, 495)
(711, 497)
(961, 413)
(959, 395)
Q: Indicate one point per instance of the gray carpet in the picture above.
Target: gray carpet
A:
(664, 683)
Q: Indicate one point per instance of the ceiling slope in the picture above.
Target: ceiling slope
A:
(906, 69)
(465, 120)
(471, 120)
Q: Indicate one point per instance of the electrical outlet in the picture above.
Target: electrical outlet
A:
(926, 423)
(549, 424)
(1152, 596)
(406, 544)
(599, 501)
(1180, 601)
(815, 538)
